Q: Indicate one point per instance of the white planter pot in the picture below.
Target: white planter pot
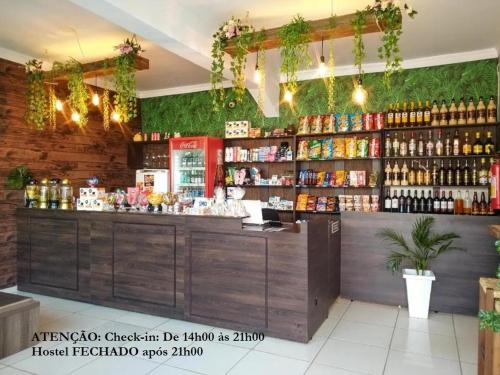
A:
(418, 289)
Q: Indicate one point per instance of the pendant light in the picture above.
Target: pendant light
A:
(115, 116)
(359, 95)
(75, 117)
(288, 96)
(322, 65)
(95, 97)
(59, 105)
(256, 75)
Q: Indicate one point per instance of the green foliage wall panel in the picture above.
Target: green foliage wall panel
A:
(192, 114)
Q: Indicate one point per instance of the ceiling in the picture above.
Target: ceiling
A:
(177, 34)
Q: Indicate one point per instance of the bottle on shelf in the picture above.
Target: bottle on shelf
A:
(489, 146)
(395, 202)
(404, 174)
(420, 114)
(491, 211)
(466, 174)
(442, 174)
(466, 147)
(387, 201)
(388, 146)
(388, 175)
(403, 146)
(491, 110)
(458, 174)
(477, 147)
(427, 114)
(427, 174)
(483, 174)
(456, 144)
(450, 174)
(412, 145)
(395, 145)
(483, 205)
(459, 204)
(429, 146)
(420, 174)
(447, 144)
(390, 117)
(467, 204)
(408, 203)
(480, 112)
(443, 114)
(475, 204)
(420, 145)
(402, 203)
(396, 175)
(414, 202)
(462, 113)
(450, 208)
(429, 203)
(397, 116)
(435, 115)
(421, 202)
(412, 115)
(443, 203)
(412, 174)
(453, 115)
(439, 145)
(435, 174)
(474, 178)
(404, 115)
(471, 112)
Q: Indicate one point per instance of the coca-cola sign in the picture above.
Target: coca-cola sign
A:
(189, 145)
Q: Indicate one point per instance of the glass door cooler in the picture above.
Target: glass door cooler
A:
(193, 163)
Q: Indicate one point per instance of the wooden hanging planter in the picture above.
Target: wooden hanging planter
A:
(320, 29)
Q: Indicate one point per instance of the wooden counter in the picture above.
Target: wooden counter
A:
(203, 269)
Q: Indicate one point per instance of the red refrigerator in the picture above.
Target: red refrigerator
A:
(193, 164)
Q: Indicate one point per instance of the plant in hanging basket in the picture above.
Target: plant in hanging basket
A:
(78, 92)
(358, 24)
(36, 98)
(294, 50)
(125, 100)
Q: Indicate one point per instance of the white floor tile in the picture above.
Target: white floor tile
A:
(26, 353)
(180, 327)
(142, 320)
(12, 371)
(351, 356)
(290, 349)
(363, 333)
(216, 359)
(437, 323)
(268, 364)
(400, 363)
(63, 304)
(371, 313)
(116, 365)
(468, 349)
(48, 314)
(248, 344)
(317, 369)
(339, 307)
(326, 328)
(466, 326)
(72, 322)
(103, 312)
(469, 368)
(168, 370)
(439, 346)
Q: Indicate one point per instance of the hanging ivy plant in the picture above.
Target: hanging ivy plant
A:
(331, 79)
(261, 70)
(294, 50)
(52, 110)
(78, 92)
(125, 100)
(238, 63)
(105, 109)
(358, 24)
(36, 98)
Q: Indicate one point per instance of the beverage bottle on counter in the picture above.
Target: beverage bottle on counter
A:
(477, 148)
(453, 116)
(447, 144)
(421, 202)
(404, 174)
(475, 204)
(474, 175)
(491, 111)
(467, 204)
(390, 117)
(439, 145)
(412, 145)
(429, 147)
(466, 174)
(395, 145)
(408, 203)
(480, 112)
(489, 146)
(415, 203)
(456, 144)
(442, 174)
(397, 116)
(402, 203)
(443, 113)
(388, 146)
(471, 112)
(435, 173)
(429, 203)
(420, 145)
(450, 204)
(483, 205)
(404, 115)
(462, 113)
(420, 114)
(443, 203)
(450, 174)
(395, 202)
(459, 204)
(412, 115)
(420, 174)
(387, 202)
(458, 174)
(388, 174)
(435, 115)
(427, 174)
(466, 147)
(412, 174)
(396, 175)
(427, 114)
(403, 146)
(483, 175)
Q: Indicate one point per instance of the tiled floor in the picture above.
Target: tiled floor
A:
(357, 338)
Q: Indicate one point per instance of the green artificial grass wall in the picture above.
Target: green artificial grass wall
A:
(191, 114)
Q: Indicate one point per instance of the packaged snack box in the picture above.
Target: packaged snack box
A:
(304, 126)
(316, 124)
(315, 149)
(329, 123)
(342, 123)
(327, 149)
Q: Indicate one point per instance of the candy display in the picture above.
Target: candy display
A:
(307, 202)
(338, 178)
(338, 148)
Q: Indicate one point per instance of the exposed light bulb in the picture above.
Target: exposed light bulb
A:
(256, 75)
(288, 96)
(322, 67)
(115, 116)
(359, 94)
(75, 116)
(59, 105)
(95, 100)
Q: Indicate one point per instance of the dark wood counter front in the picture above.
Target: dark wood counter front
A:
(203, 269)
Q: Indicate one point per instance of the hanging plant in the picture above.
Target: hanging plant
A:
(52, 109)
(331, 80)
(78, 92)
(36, 99)
(358, 24)
(125, 100)
(105, 109)
(261, 71)
(294, 50)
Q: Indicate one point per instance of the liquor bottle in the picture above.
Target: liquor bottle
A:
(483, 173)
(442, 174)
(420, 174)
(412, 179)
(415, 203)
(450, 175)
(480, 112)
(451, 204)
(412, 115)
(388, 146)
(443, 113)
(467, 204)
(456, 144)
(458, 174)
(475, 205)
(483, 206)
(397, 116)
(474, 175)
(462, 113)
(395, 145)
(412, 145)
(491, 111)
(443, 203)
(447, 144)
(491, 211)
(435, 174)
(489, 146)
(459, 204)
(420, 145)
(387, 201)
(402, 203)
(404, 174)
(478, 148)
(390, 117)
(404, 115)
(403, 146)
(466, 147)
(427, 174)
(466, 174)
(388, 174)
(427, 114)
(435, 117)
(421, 203)
(439, 145)
(395, 202)
(429, 203)
(420, 114)
(396, 175)
(453, 117)
(408, 203)
(471, 112)
(429, 146)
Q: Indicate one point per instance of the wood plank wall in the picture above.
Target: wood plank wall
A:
(64, 152)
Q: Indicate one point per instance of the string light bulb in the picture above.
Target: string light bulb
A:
(115, 116)
(288, 97)
(95, 99)
(359, 95)
(322, 65)
(59, 105)
(256, 75)
(75, 117)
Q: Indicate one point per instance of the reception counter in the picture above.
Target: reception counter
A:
(202, 269)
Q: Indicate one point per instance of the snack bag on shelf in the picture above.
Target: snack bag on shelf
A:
(350, 147)
(302, 150)
(304, 126)
(311, 203)
(342, 123)
(321, 204)
(315, 149)
(327, 149)
(356, 121)
(301, 202)
(329, 123)
(317, 124)
(353, 179)
(331, 204)
(340, 178)
(362, 148)
(338, 148)
(361, 177)
(320, 178)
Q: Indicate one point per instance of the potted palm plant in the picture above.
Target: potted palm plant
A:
(427, 246)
